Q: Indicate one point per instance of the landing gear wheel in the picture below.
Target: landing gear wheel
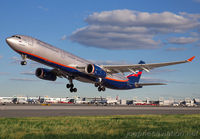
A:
(75, 89)
(96, 84)
(68, 85)
(71, 85)
(71, 90)
(23, 63)
(99, 89)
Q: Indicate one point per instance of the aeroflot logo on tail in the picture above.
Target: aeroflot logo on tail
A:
(135, 75)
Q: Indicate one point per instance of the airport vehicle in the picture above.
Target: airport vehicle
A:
(69, 66)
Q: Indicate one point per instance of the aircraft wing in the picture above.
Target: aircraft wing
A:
(132, 68)
(59, 73)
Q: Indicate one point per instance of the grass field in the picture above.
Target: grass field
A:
(135, 126)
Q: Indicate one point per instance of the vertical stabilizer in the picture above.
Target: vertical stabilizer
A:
(135, 77)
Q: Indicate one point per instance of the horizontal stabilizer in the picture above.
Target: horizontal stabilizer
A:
(148, 84)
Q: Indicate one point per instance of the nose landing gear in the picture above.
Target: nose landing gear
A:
(24, 57)
(23, 63)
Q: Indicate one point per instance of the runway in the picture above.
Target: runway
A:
(87, 110)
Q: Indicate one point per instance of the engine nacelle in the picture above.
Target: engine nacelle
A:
(95, 70)
(45, 74)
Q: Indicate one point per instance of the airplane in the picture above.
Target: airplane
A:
(71, 67)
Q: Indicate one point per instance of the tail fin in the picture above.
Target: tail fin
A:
(135, 77)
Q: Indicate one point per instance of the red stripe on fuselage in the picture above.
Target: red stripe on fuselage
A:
(65, 65)
(47, 59)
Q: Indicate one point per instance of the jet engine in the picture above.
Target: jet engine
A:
(95, 70)
(45, 74)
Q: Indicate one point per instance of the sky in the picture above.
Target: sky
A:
(105, 32)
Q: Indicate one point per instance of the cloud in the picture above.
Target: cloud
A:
(4, 73)
(28, 73)
(55, 83)
(198, 45)
(153, 80)
(64, 37)
(34, 64)
(182, 40)
(156, 80)
(196, 0)
(42, 8)
(192, 16)
(15, 60)
(175, 49)
(127, 29)
(22, 79)
(158, 71)
(194, 34)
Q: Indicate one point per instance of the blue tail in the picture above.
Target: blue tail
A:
(135, 77)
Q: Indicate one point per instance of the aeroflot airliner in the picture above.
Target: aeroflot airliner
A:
(69, 66)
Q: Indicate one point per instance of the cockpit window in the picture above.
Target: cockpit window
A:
(17, 36)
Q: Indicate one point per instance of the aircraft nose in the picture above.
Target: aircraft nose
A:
(10, 41)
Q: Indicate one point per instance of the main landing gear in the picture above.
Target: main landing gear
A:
(24, 57)
(71, 86)
(100, 87)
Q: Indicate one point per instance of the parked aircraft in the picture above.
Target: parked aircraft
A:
(196, 102)
(67, 65)
(5, 100)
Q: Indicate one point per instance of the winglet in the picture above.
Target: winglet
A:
(190, 59)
